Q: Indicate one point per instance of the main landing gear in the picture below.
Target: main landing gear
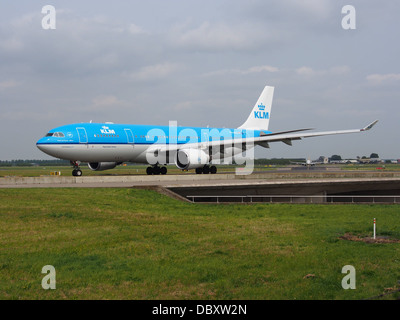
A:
(156, 170)
(77, 172)
(206, 170)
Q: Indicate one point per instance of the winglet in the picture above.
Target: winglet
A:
(369, 126)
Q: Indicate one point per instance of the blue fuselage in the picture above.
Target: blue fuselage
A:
(97, 142)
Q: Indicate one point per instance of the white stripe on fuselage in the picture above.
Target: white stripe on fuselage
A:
(97, 152)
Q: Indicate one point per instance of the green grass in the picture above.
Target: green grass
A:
(138, 244)
(372, 167)
(119, 170)
(67, 171)
(32, 171)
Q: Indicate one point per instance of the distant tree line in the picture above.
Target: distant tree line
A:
(276, 161)
(336, 157)
(33, 163)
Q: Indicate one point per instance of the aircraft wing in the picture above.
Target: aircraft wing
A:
(285, 137)
(288, 137)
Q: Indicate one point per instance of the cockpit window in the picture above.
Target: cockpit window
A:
(58, 134)
(55, 134)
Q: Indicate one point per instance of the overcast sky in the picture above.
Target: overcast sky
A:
(202, 63)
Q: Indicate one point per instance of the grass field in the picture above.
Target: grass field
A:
(119, 170)
(138, 244)
(35, 171)
(67, 171)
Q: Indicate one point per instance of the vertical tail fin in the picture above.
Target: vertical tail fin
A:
(260, 115)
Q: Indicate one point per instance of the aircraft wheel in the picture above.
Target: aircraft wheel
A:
(149, 171)
(213, 169)
(206, 169)
(77, 173)
(199, 170)
(163, 170)
(156, 170)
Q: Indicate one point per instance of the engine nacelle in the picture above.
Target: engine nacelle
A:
(100, 166)
(191, 159)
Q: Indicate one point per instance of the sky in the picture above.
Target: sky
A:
(203, 63)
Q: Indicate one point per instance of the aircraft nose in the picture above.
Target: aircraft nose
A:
(41, 147)
(46, 148)
(39, 143)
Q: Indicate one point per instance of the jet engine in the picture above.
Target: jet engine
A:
(100, 166)
(187, 159)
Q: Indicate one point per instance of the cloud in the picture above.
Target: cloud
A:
(255, 69)
(310, 72)
(306, 71)
(154, 72)
(11, 44)
(380, 78)
(318, 8)
(8, 84)
(26, 20)
(219, 36)
(102, 105)
(134, 29)
(338, 70)
(107, 60)
(105, 101)
(183, 106)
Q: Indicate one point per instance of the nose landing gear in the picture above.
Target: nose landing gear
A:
(77, 172)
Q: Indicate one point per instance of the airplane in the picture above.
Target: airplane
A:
(308, 163)
(103, 146)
